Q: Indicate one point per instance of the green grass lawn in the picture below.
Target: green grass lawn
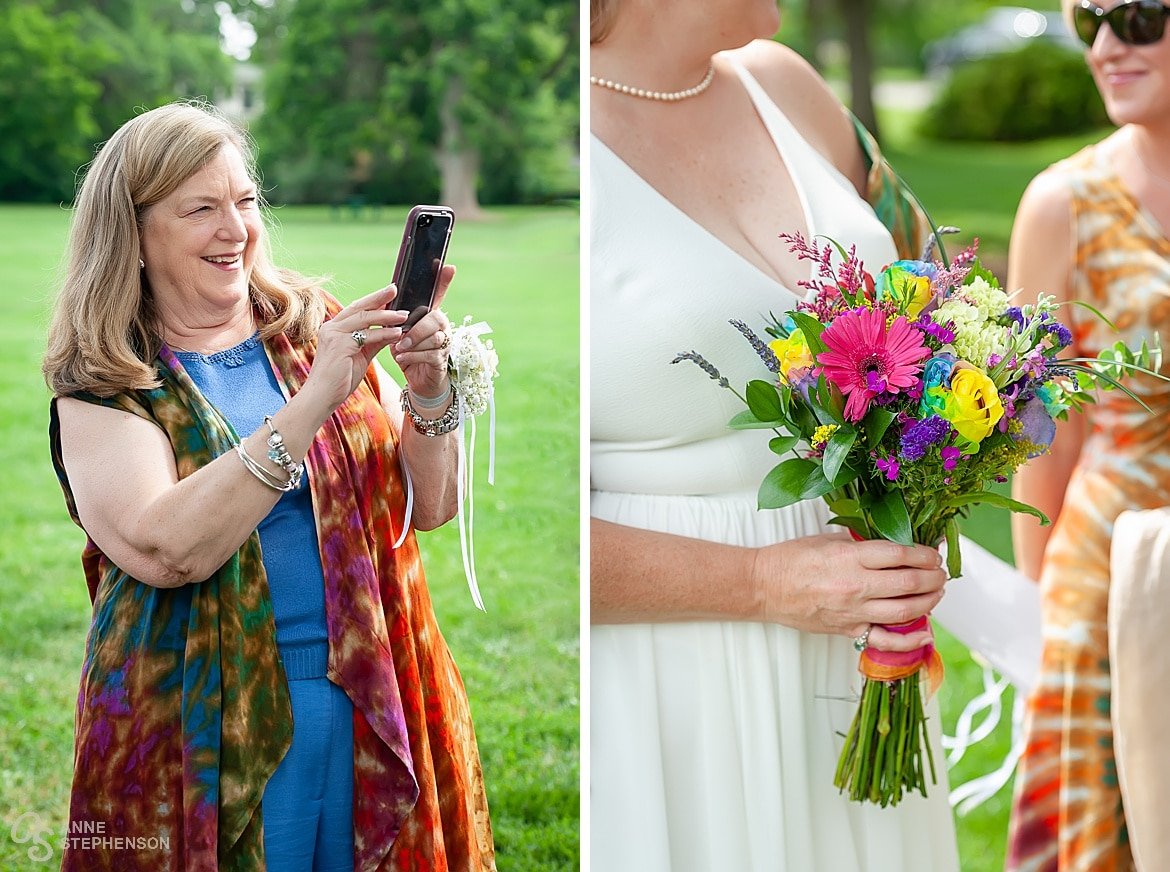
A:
(519, 271)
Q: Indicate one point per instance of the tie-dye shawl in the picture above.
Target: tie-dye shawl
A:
(184, 712)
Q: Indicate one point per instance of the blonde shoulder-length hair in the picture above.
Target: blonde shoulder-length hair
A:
(104, 334)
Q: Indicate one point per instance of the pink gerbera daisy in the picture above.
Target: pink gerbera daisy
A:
(866, 359)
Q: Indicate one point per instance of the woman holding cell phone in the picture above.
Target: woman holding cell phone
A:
(264, 680)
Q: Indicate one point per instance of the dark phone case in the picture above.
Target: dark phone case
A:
(418, 301)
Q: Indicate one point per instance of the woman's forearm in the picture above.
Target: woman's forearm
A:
(639, 576)
(159, 529)
(195, 526)
(432, 462)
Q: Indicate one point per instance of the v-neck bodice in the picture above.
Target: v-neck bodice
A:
(662, 283)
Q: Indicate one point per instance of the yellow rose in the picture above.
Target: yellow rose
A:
(916, 292)
(973, 406)
(791, 352)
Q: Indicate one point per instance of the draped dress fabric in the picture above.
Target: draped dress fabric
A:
(713, 744)
(1069, 813)
(183, 712)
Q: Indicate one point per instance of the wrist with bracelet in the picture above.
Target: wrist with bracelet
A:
(278, 454)
(445, 423)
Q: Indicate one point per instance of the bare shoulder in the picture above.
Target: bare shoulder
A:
(1044, 218)
(1042, 250)
(808, 101)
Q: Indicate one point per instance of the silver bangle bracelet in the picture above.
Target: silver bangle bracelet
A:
(263, 475)
(445, 423)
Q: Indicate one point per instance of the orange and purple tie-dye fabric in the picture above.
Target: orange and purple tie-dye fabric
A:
(183, 712)
(1068, 813)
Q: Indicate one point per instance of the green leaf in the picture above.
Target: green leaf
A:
(978, 271)
(1095, 311)
(812, 330)
(804, 418)
(998, 500)
(854, 523)
(817, 485)
(830, 402)
(763, 401)
(838, 450)
(954, 557)
(845, 506)
(785, 484)
(747, 420)
(844, 476)
(891, 519)
(877, 421)
(782, 444)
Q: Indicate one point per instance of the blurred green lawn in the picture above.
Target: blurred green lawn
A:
(519, 271)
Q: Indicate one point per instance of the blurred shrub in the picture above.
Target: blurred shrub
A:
(1040, 91)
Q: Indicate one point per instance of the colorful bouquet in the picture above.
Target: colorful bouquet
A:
(904, 400)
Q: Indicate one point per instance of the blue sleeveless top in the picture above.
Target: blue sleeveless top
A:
(240, 383)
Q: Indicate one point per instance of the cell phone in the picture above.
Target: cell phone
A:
(420, 259)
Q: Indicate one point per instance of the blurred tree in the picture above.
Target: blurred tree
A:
(48, 119)
(72, 71)
(856, 14)
(459, 99)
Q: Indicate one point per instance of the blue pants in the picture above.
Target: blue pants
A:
(308, 803)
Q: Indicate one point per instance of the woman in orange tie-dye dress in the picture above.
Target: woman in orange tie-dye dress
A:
(1092, 228)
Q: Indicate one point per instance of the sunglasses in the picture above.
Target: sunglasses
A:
(1138, 22)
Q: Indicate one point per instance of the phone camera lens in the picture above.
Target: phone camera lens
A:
(425, 220)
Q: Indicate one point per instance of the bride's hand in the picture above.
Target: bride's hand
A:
(832, 584)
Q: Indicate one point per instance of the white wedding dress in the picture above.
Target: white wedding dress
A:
(713, 744)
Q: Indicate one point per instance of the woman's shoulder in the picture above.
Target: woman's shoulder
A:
(1094, 162)
(807, 101)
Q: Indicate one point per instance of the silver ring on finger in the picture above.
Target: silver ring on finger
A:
(860, 643)
(359, 336)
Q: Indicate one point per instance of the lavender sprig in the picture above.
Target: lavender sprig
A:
(763, 351)
(703, 364)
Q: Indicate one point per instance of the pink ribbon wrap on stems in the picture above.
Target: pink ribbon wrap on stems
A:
(892, 665)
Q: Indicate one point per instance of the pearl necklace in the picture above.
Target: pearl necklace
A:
(664, 96)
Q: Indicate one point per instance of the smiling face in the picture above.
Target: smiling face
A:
(1134, 80)
(199, 242)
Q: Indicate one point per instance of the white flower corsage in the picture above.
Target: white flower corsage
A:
(472, 365)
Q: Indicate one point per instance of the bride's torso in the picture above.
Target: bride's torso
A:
(670, 265)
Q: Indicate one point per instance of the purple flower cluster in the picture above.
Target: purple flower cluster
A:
(920, 435)
(1062, 334)
(943, 333)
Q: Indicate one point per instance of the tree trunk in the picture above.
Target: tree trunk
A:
(857, 20)
(458, 162)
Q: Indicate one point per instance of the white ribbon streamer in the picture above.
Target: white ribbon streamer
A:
(409, 513)
(965, 736)
(971, 794)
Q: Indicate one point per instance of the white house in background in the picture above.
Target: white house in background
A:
(245, 100)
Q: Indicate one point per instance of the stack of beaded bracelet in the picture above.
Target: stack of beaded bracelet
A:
(446, 423)
(279, 455)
